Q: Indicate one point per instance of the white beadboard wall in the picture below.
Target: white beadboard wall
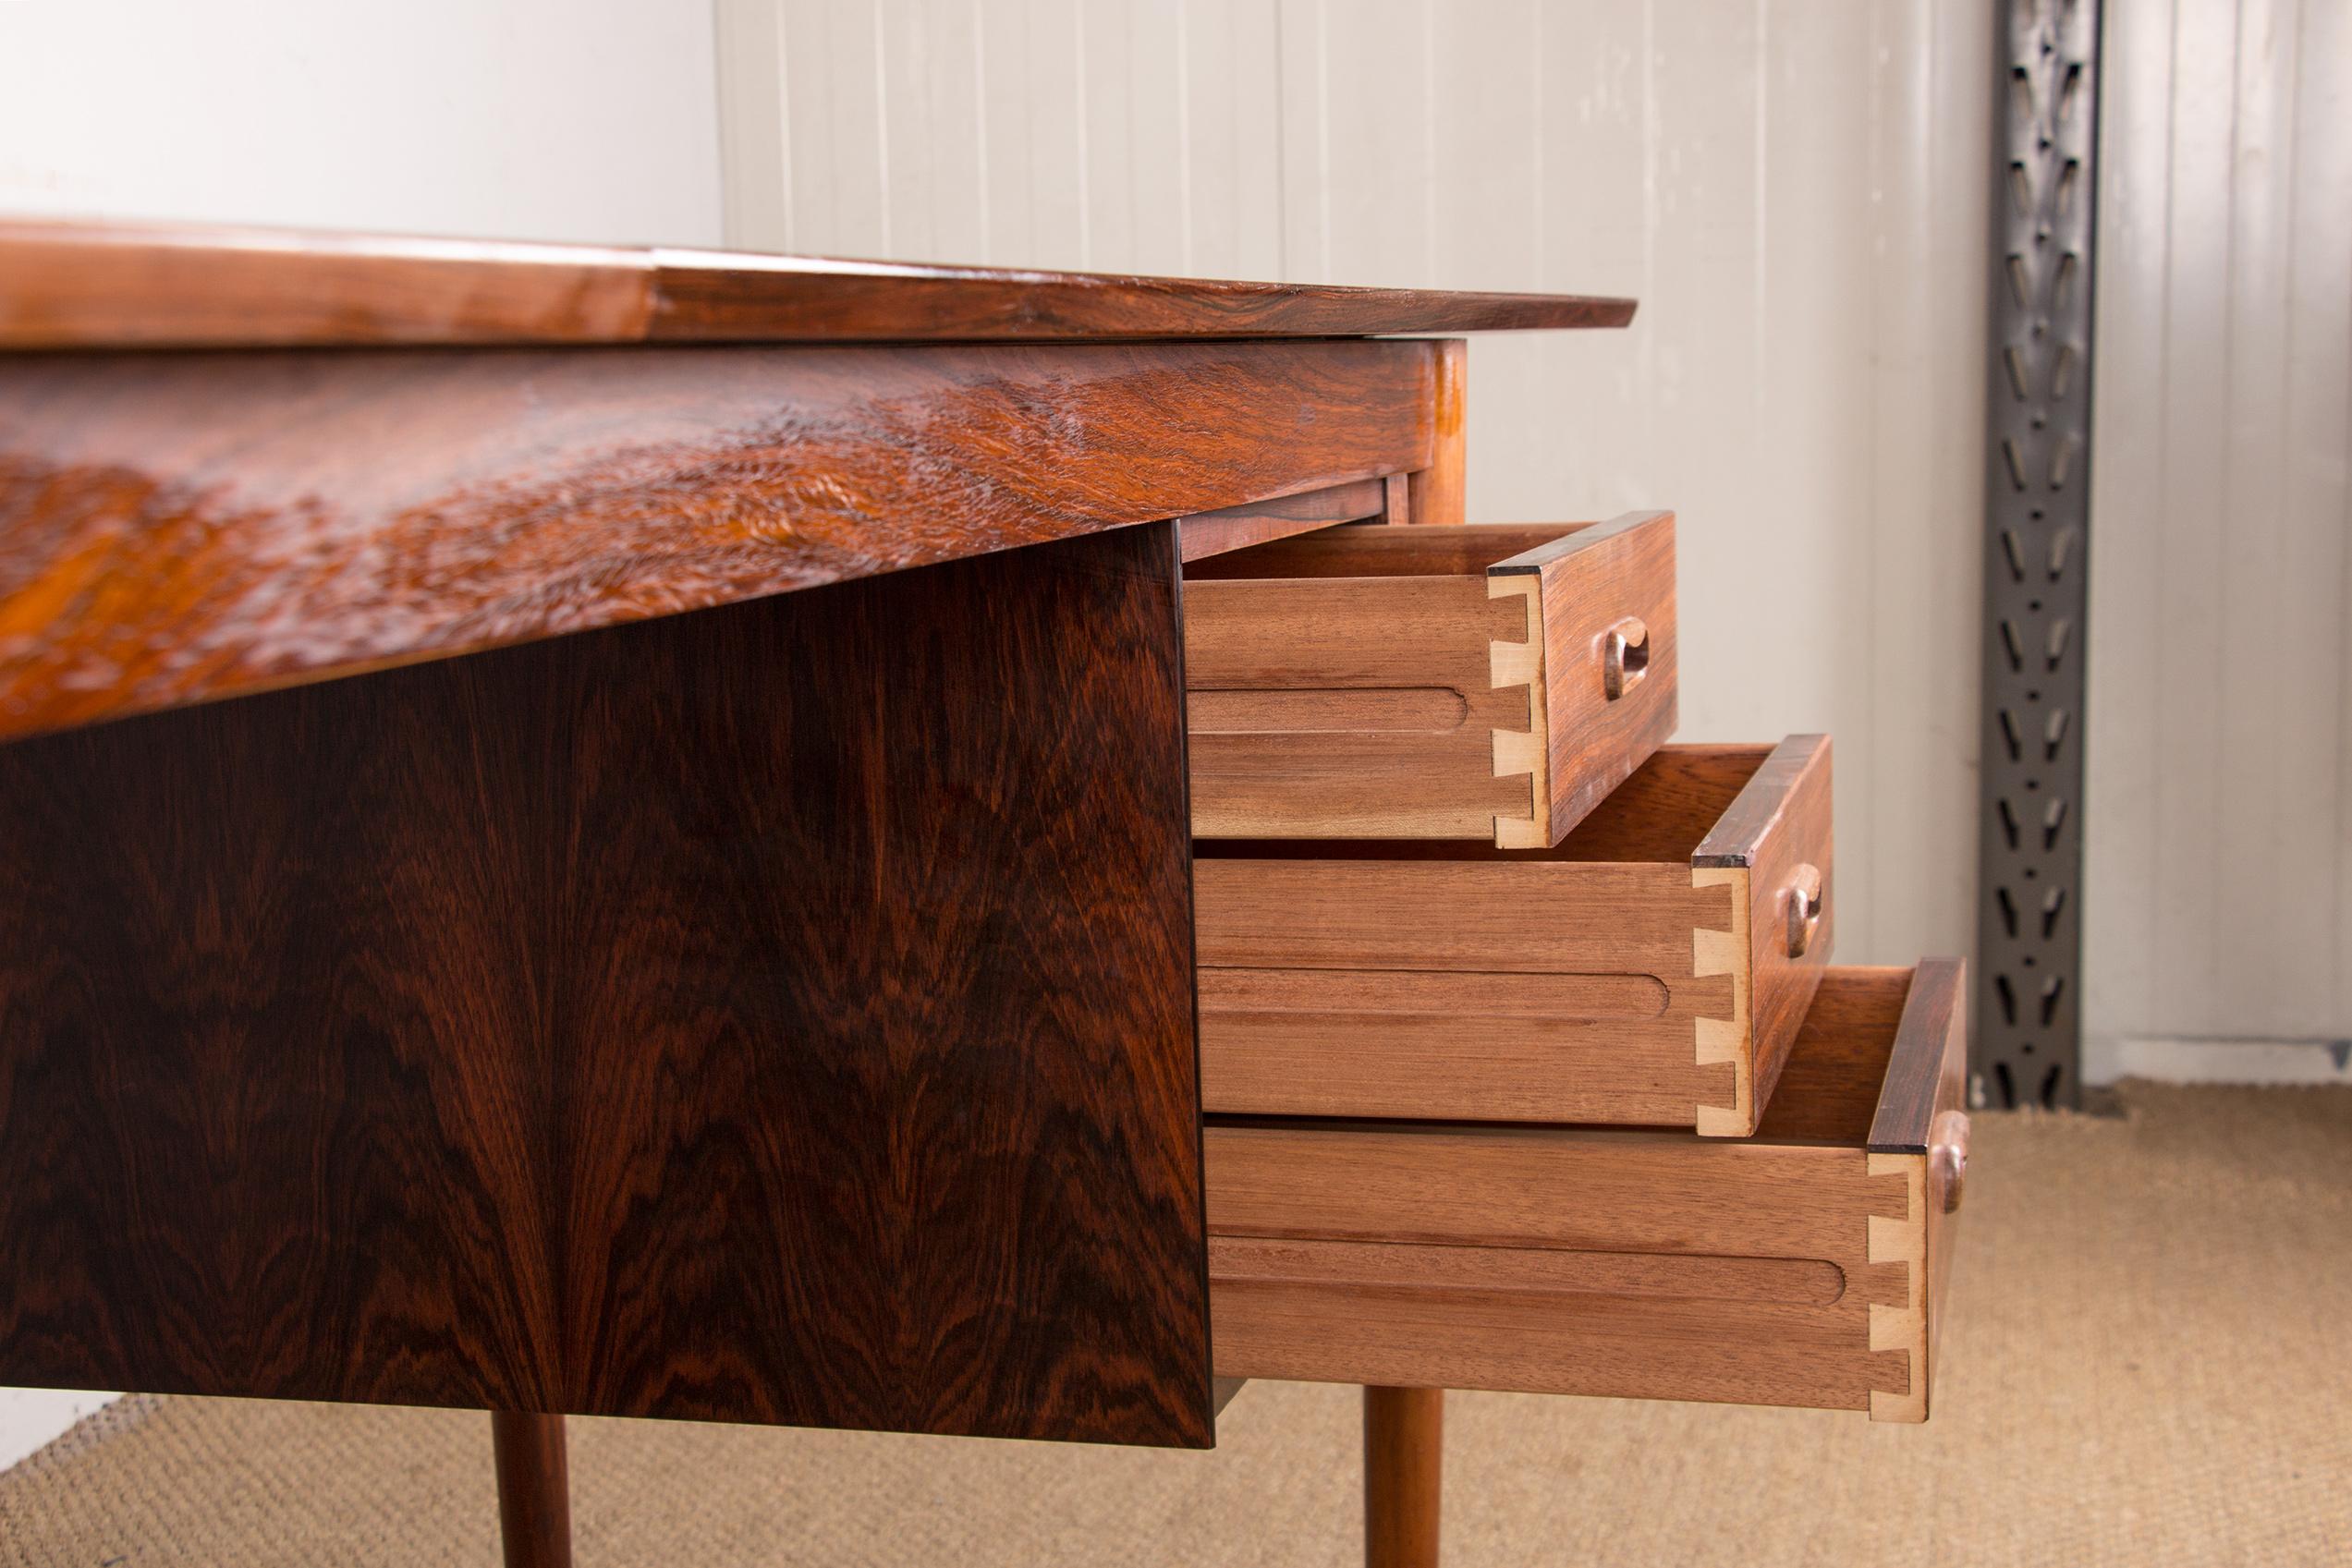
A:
(2219, 896)
(1793, 191)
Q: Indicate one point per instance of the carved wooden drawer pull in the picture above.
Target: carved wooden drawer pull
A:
(1948, 1156)
(1626, 657)
(1804, 909)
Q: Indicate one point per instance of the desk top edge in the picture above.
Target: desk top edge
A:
(91, 286)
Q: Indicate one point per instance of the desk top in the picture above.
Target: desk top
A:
(97, 285)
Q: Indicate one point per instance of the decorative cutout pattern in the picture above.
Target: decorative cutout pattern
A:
(2036, 516)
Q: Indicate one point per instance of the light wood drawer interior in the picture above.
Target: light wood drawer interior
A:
(1803, 1266)
(1650, 970)
(1489, 683)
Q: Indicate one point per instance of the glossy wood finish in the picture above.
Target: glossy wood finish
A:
(1921, 1130)
(1237, 527)
(534, 1489)
(1797, 1266)
(182, 527)
(781, 1013)
(1404, 1475)
(1588, 738)
(79, 286)
(1921, 1086)
(1620, 978)
(1774, 848)
(1396, 682)
(1438, 492)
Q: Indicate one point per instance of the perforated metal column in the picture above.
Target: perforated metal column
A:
(2037, 519)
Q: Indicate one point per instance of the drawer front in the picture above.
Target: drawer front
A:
(1650, 970)
(1488, 683)
(1800, 1267)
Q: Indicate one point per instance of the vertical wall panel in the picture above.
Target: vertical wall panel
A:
(2219, 853)
(2120, 858)
(1793, 189)
(1123, 182)
(1587, 430)
(2255, 948)
(834, 130)
(1793, 193)
(2194, 548)
(1379, 174)
(2314, 759)
(1157, 103)
(1302, 151)
(1234, 125)
(1926, 460)
(2319, 472)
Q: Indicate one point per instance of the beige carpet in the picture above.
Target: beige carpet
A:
(2144, 1364)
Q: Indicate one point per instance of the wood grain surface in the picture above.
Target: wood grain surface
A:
(780, 1012)
(1923, 1083)
(1582, 983)
(91, 286)
(1370, 552)
(1776, 834)
(1206, 534)
(531, 1457)
(1924, 1105)
(1587, 583)
(1384, 681)
(1835, 1078)
(1438, 493)
(1625, 1264)
(180, 527)
(1354, 707)
(1404, 1475)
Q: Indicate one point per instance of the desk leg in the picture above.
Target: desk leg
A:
(1403, 1472)
(534, 1489)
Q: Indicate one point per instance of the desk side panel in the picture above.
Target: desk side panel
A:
(779, 1013)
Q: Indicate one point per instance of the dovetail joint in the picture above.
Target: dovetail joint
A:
(1902, 1328)
(1523, 752)
(1726, 1039)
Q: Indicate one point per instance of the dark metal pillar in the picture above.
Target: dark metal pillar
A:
(2037, 529)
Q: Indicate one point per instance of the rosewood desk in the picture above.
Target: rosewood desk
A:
(614, 832)
(604, 831)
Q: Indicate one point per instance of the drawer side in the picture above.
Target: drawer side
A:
(1456, 989)
(1803, 1269)
(1623, 1265)
(1348, 707)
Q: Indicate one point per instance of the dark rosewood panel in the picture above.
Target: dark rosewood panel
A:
(82, 285)
(175, 527)
(778, 1013)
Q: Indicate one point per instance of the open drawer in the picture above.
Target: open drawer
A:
(1491, 682)
(1804, 1266)
(1650, 970)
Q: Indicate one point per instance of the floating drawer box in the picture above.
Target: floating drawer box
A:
(1491, 682)
(1650, 970)
(1804, 1266)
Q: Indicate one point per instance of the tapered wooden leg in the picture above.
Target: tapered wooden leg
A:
(534, 1489)
(1404, 1473)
